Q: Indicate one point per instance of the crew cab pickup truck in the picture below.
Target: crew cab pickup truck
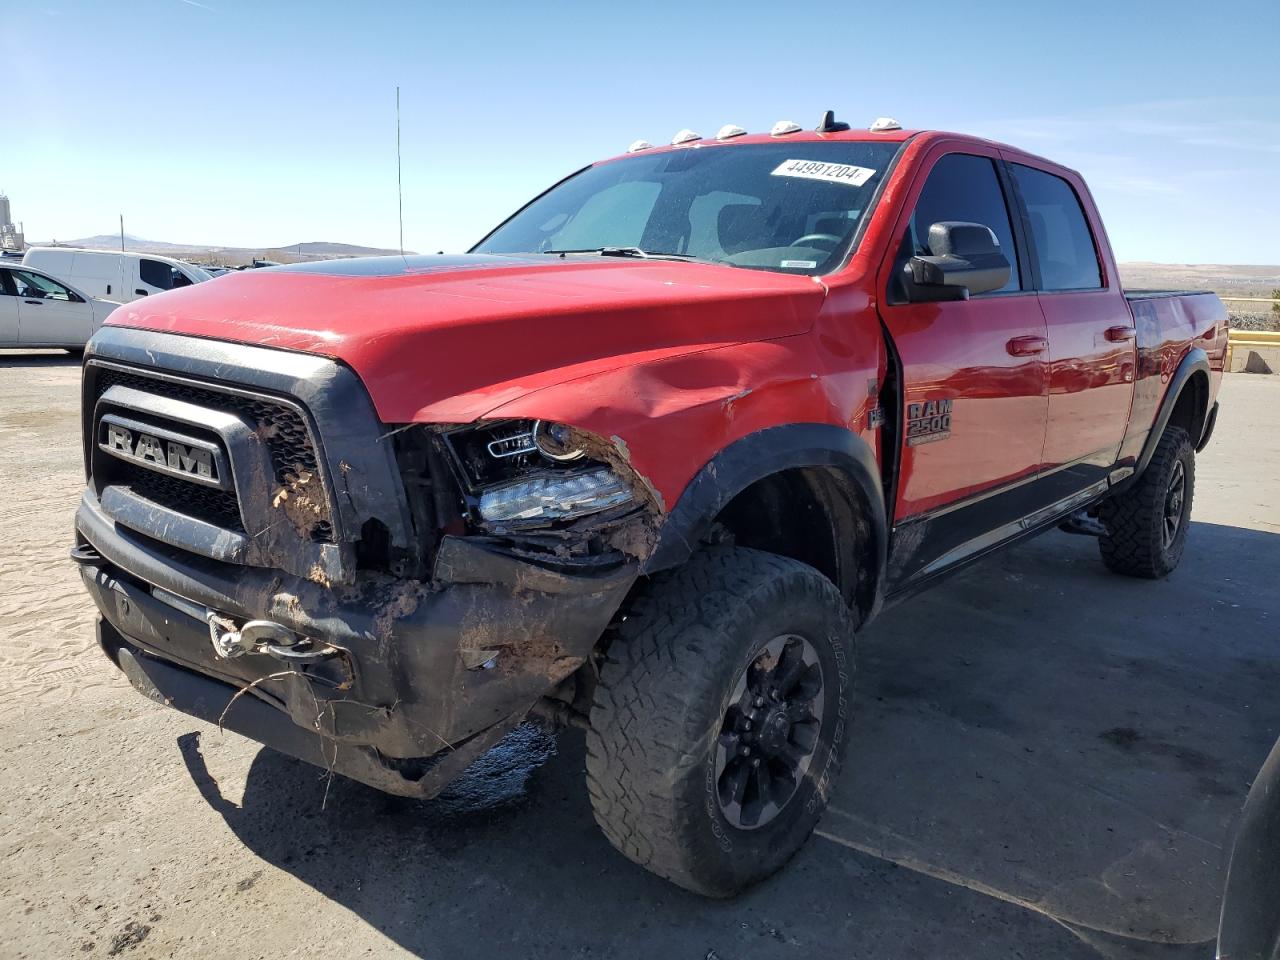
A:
(643, 461)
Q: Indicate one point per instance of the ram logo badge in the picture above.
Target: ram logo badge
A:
(175, 455)
(928, 421)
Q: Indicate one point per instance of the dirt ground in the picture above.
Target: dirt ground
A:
(1047, 761)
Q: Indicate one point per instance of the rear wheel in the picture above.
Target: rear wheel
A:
(719, 719)
(1147, 524)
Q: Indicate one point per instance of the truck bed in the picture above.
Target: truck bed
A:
(1159, 294)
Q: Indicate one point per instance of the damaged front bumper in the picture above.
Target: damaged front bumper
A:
(422, 677)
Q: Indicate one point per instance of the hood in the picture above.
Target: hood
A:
(447, 339)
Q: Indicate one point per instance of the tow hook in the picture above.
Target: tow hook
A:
(263, 636)
(85, 554)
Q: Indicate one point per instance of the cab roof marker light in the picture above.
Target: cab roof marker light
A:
(783, 127)
(638, 145)
(882, 124)
(730, 130)
(685, 136)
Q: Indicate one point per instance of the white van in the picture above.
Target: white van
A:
(112, 274)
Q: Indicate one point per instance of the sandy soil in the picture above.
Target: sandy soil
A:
(1047, 761)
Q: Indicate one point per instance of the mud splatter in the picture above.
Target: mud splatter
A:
(401, 600)
(303, 502)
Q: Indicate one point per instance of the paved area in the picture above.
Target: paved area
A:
(1047, 762)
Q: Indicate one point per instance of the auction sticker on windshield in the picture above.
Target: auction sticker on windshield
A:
(830, 172)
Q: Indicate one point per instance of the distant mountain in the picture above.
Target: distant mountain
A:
(324, 248)
(227, 256)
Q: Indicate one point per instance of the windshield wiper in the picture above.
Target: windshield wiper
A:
(635, 252)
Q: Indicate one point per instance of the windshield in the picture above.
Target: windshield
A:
(788, 207)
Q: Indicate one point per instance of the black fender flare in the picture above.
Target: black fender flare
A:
(762, 454)
(1196, 361)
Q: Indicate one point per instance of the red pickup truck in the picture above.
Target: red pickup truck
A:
(643, 462)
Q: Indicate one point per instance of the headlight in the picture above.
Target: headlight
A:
(555, 498)
(555, 441)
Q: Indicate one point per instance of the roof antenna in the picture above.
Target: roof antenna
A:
(830, 124)
(399, 181)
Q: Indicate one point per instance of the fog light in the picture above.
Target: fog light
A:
(555, 498)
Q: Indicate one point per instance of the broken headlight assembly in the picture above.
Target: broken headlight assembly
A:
(534, 472)
(555, 498)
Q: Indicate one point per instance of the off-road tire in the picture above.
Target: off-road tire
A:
(663, 692)
(1134, 543)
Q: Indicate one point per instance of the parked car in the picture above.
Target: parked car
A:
(121, 276)
(643, 462)
(38, 311)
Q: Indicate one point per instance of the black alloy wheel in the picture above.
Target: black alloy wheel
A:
(769, 732)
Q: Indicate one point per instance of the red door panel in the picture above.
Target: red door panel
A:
(974, 371)
(980, 357)
(1091, 334)
(1091, 354)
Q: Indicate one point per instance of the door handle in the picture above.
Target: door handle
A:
(35, 303)
(141, 293)
(1026, 346)
(1119, 334)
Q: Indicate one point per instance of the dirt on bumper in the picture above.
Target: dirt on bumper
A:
(425, 676)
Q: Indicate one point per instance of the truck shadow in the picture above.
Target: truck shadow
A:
(1046, 759)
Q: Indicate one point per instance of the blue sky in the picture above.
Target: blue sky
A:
(261, 123)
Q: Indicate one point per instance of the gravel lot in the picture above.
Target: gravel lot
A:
(1047, 761)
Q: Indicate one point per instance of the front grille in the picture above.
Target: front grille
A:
(218, 507)
(279, 426)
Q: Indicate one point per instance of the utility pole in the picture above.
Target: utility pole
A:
(122, 233)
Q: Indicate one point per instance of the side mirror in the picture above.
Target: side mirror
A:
(966, 260)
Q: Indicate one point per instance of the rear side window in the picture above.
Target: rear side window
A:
(1064, 246)
(966, 188)
(155, 274)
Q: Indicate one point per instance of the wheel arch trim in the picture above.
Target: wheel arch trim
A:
(1195, 362)
(763, 454)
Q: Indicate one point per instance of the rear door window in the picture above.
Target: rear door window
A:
(965, 188)
(1063, 244)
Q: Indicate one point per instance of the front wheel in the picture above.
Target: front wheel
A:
(720, 717)
(1147, 523)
